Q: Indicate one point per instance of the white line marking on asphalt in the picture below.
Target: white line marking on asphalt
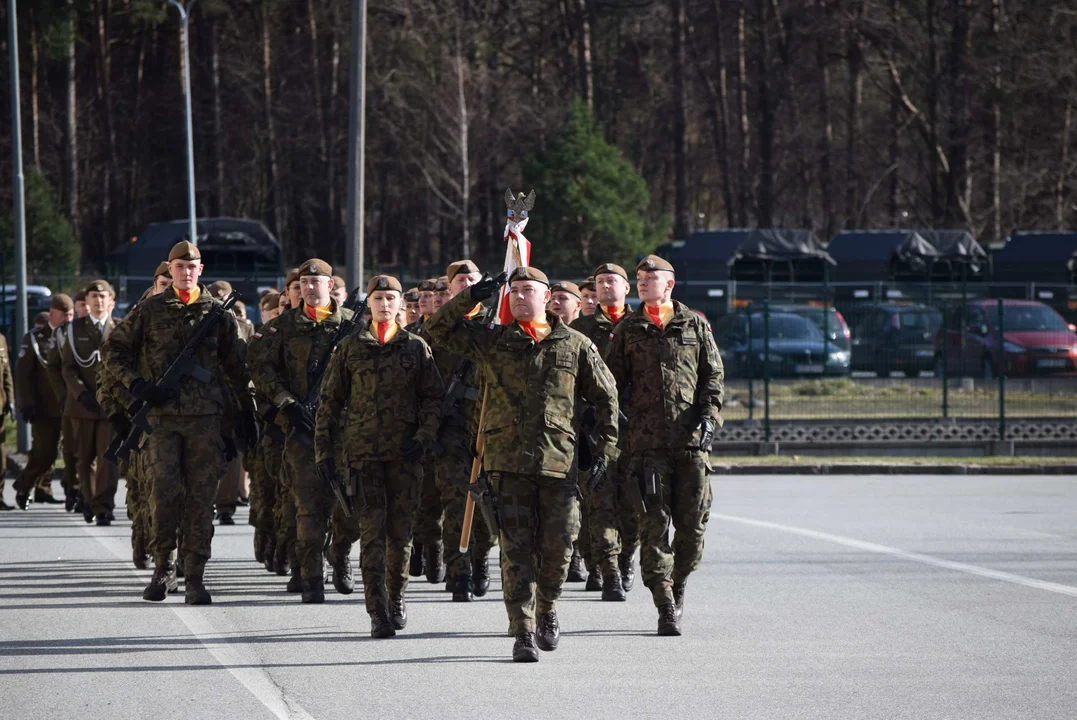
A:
(905, 555)
(241, 664)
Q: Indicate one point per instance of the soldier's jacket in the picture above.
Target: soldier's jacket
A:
(7, 385)
(147, 340)
(32, 385)
(80, 361)
(55, 362)
(246, 329)
(257, 349)
(597, 327)
(388, 394)
(113, 397)
(532, 389)
(669, 379)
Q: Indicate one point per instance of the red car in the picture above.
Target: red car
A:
(1036, 340)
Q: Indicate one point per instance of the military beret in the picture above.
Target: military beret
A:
(41, 319)
(61, 302)
(412, 296)
(529, 273)
(162, 269)
(460, 266)
(610, 269)
(588, 284)
(565, 286)
(291, 277)
(653, 262)
(338, 282)
(220, 289)
(80, 296)
(428, 285)
(314, 266)
(270, 300)
(441, 284)
(184, 250)
(383, 282)
(99, 286)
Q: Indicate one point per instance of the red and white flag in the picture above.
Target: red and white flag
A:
(517, 254)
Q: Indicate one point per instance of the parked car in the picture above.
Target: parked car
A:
(1035, 340)
(796, 347)
(895, 337)
(836, 327)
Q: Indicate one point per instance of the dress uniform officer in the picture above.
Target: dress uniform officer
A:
(537, 372)
(666, 361)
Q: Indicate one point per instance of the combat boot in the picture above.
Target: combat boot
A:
(667, 620)
(270, 553)
(40, 496)
(87, 511)
(380, 624)
(678, 597)
(549, 631)
(398, 612)
(480, 575)
(342, 576)
(415, 567)
(434, 565)
(283, 565)
(462, 589)
(575, 570)
(594, 581)
(628, 571)
(139, 556)
(259, 547)
(611, 587)
(313, 590)
(71, 498)
(194, 590)
(158, 589)
(524, 649)
(23, 500)
(295, 583)
(178, 567)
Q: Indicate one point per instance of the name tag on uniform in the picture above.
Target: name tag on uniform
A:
(563, 360)
(407, 360)
(689, 339)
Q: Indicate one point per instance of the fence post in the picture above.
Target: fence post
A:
(766, 370)
(826, 316)
(751, 373)
(945, 367)
(1001, 372)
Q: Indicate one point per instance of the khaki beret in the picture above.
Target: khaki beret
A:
(653, 262)
(61, 302)
(41, 319)
(383, 282)
(460, 266)
(314, 266)
(529, 273)
(442, 284)
(610, 269)
(428, 285)
(412, 296)
(162, 269)
(291, 277)
(220, 289)
(564, 286)
(338, 282)
(588, 284)
(99, 286)
(80, 296)
(270, 300)
(184, 250)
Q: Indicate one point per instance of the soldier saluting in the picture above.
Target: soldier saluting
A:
(184, 455)
(537, 370)
(667, 365)
(385, 384)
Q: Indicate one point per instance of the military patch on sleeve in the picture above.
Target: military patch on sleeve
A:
(258, 335)
(611, 337)
(273, 330)
(594, 348)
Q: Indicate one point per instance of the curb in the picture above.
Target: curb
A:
(880, 469)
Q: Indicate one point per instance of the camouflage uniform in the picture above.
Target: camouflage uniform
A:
(530, 442)
(183, 455)
(288, 347)
(671, 379)
(428, 510)
(36, 394)
(388, 394)
(612, 526)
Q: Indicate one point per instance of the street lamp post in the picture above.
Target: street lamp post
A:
(19, 196)
(356, 252)
(185, 14)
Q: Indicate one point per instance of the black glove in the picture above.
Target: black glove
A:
(486, 287)
(88, 401)
(326, 470)
(9, 410)
(706, 435)
(230, 452)
(299, 417)
(598, 474)
(252, 431)
(413, 449)
(120, 425)
(150, 393)
(27, 414)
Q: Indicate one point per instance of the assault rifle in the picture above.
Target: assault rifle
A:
(183, 365)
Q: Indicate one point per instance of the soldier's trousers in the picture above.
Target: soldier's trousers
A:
(428, 507)
(315, 505)
(453, 477)
(540, 516)
(137, 500)
(68, 452)
(257, 518)
(283, 508)
(229, 486)
(686, 505)
(98, 478)
(386, 495)
(182, 458)
(613, 526)
(44, 449)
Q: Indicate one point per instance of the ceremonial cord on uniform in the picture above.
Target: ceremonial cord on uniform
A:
(95, 356)
(37, 350)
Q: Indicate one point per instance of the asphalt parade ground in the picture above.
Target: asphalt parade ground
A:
(819, 597)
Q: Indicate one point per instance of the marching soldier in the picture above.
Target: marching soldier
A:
(610, 531)
(230, 486)
(292, 288)
(565, 301)
(54, 373)
(537, 370)
(588, 298)
(7, 388)
(385, 384)
(39, 405)
(184, 455)
(666, 362)
(246, 327)
(80, 304)
(81, 355)
(340, 290)
(293, 342)
(162, 280)
(411, 306)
